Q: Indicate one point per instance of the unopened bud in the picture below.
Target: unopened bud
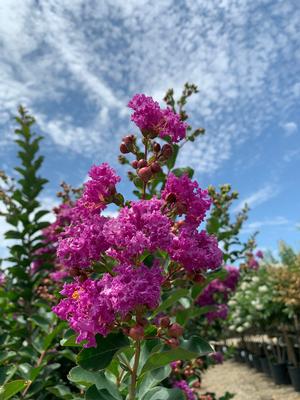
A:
(129, 139)
(142, 163)
(134, 164)
(175, 330)
(156, 147)
(167, 150)
(173, 342)
(164, 322)
(145, 174)
(123, 148)
(136, 332)
(155, 167)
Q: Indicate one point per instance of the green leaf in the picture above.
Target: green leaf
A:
(172, 298)
(13, 235)
(49, 338)
(70, 339)
(151, 379)
(6, 372)
(40, 321)
(82, 376)
(40, 214)
(94, 394)
(11, 388)
(183, 316)
(188, 350)
(60, 391)
(100, 357)
(183, 171)
(161, 393)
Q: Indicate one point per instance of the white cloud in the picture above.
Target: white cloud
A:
(58, 54)
(257, 225)
(290, 128)
(259, 197)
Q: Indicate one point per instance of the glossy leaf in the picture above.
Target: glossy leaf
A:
(11, 388)
(100, 357)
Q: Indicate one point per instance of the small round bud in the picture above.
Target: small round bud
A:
(199, 278)
(167, 150)
(156, 147)
(145, 174)
(123, 148)
(129, 139)
(171, 198)
(155, 167)
(142, 163)
(136, 332)
(175, 330)
(173, 342)
(164, 322)
(134, 164)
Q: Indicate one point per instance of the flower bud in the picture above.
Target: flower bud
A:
(167, 150)
(129, 139)
(155, 167)
(134, 164)
(142, 163)
(164, 322)
(173, 342)
(136, 332)
(156, 147)
(145, 174)
(123, 148)
(175, 330)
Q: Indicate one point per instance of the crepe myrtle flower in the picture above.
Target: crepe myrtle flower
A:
(154, 121)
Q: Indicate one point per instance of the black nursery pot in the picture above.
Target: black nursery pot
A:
(265, 366)
(294, 373)
(280, 374)
(249, 360)
(256, 363)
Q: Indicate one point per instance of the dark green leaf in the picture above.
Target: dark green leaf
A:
(100, 357)
(183, 171)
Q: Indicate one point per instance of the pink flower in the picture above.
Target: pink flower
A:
(82, 243)
(191, 200)
(196, 251)
(98, 190)
(150, 118)
(138, 228)
(93, 306)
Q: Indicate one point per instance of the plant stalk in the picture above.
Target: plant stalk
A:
(132, 388)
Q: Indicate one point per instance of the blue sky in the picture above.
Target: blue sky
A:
(75, 64)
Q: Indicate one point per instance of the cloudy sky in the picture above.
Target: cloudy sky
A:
(75, 64)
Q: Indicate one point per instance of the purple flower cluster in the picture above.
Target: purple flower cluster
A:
(100, 188)
(137, 228)
(188, 198)
(150, 118)
(196, 251)
(94, 306)
(217, 357)
(2, 278)
(82, 242)
(216, 294)
(184, 386)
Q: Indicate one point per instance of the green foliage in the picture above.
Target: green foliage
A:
(29, 354)
(100, 357)
(227, 229)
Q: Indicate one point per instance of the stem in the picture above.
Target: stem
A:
(134, 371)
(39, 362)
(146, 156)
